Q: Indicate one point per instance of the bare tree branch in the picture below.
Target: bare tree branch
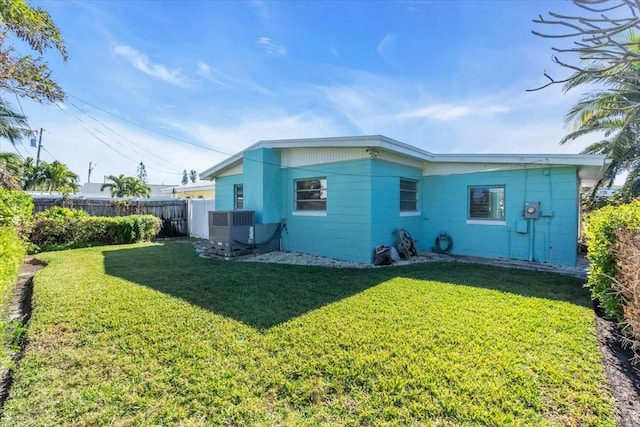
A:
(601, 45)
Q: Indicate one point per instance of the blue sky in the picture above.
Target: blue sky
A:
(183, 84)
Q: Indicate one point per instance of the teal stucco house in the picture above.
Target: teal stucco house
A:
(342, 197)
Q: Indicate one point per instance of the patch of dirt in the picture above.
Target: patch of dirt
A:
(20, 311)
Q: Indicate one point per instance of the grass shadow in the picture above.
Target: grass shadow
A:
(263, 295)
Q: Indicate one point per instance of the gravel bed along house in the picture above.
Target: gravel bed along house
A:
(202, 246)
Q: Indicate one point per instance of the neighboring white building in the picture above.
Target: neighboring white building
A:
(91, 190)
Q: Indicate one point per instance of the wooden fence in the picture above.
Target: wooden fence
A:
(173, 212)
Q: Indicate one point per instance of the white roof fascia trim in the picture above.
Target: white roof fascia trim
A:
(542, 159)
(382, 142)
(373, 141)
(225, 164)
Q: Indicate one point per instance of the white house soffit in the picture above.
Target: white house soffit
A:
(298, 157)
(231, 161)
(403, 160)
(588, 175)
(236, 169)
(432, 169)
(347, 142)
(221, 167)
(370, 141)
(523, 159)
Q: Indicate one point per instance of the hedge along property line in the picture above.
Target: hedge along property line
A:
(627, 285)
(62, 228)
(172, 212)
(15, 216)
(602, 226)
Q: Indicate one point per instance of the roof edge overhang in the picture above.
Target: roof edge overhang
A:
(590, 166)
(366, 141)
(524, 159)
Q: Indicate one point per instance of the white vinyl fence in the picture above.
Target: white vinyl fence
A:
(198, 214)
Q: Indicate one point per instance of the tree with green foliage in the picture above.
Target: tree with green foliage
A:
(54, 176)
(26, 75)
(58, 177)
(13, 126)
(610, 114)
(608, 54)
(126, 186)
(599, 32)
(185, 177)
(10, 170)
(32, 176)
(141, 173)
(193, 176)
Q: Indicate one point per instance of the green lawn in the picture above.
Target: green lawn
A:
(151, 334)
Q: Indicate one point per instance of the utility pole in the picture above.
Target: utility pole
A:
(39, 147)
(89, 177)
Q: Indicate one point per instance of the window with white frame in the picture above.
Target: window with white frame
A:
(238, 196)
(311, 194)
(408, 195)
(486, 203)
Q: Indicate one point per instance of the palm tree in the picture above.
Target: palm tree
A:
(126, 186)
(614, 114)
(13, 126)
(10, 170)
(32, 176)
(58, 177)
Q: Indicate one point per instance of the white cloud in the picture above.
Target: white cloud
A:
(204, 70)
(384, 49)
(509, 121)
(446, 112)
(142, 63)
(271, 47)
(225, 80)
(258, 125)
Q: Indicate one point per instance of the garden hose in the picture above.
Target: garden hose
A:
(444, 243)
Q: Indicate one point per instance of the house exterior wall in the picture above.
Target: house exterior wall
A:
(262, 191)
(552, 238)
(344, 230)
(385, 212)
(224, 191)
(363, 208)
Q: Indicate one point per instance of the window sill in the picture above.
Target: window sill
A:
(309, 213)
(410, 213)
(485, 222)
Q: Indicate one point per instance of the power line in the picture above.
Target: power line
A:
(94, 135)
(238, 156)
(107, 144)
(166, 135)
(122, 136)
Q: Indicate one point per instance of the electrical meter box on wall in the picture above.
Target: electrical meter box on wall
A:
(532, 210)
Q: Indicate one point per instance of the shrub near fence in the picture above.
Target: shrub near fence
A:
(627, 285)
(15, 216)
(172, 212)
(601, 229)
(62, 228)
